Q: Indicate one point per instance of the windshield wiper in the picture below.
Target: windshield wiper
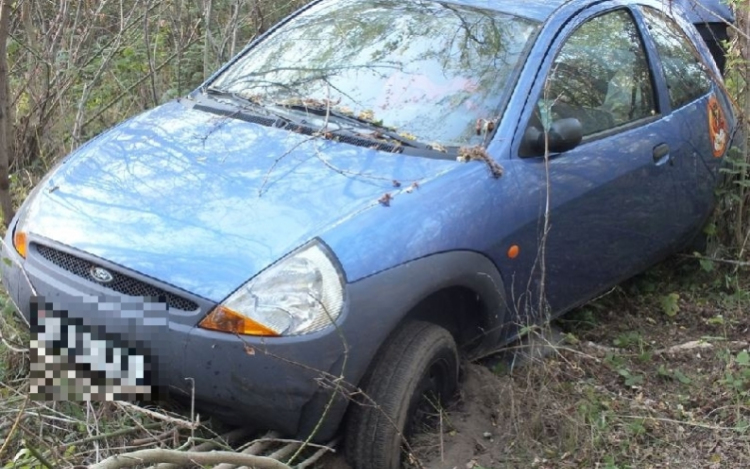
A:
(380, 131)
(243, 103)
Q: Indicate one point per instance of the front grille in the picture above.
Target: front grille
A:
(120, 283)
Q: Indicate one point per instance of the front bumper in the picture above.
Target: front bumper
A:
(264, 383)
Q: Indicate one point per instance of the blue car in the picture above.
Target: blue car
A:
(311, 239)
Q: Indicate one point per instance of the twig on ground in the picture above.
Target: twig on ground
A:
(442, 442)
(686, 423)
(14, 428)
(39, 457)
(10, 346)
(285, 451)
(154, 438)
(328, 447)
(317, 455)
(697, 345)
(222, 442)
(255, 448)
(600, 348)
(160, 416)
(192, 408)
(89, 415)
(715, 259)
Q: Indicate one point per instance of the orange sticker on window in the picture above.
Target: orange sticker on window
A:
(717, 127)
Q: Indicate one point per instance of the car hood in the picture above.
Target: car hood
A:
(205, 202)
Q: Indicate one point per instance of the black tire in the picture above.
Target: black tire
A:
(419, 360)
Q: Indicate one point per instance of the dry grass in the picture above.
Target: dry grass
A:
(655, 375)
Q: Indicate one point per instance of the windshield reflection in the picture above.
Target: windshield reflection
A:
(428, 70)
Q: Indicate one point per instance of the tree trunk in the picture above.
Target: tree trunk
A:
(742, 225)
(208, 45)
(5, 201)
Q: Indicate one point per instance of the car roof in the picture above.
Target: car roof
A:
(538, 10)
(706, 11)
(697, 11)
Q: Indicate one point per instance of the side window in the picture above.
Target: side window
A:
(600, 77)
(686, 77)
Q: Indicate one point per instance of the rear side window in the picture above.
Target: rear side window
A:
(686, 76)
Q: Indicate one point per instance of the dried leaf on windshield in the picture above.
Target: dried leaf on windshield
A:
(345, 110)
(386, 199)
(438, 147)
(255, 98)
(310, 102)
(367, 115)
(485, 126)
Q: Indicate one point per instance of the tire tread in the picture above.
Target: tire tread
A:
(397, 368)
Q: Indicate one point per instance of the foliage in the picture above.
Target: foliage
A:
(79, 67)
(732, 221)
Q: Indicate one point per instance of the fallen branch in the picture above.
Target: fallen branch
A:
(159, 455)
(686, 347)
(10, 346)
(160, 416)
(104, 436)
(39, 457)
(600, 348)
(13, 429)
(220, 442)
(706, 426)
(715, 259)
(169, 434)
(680, 348)
(317, 455)
(697, 345)
(328, 447)
(255, 448)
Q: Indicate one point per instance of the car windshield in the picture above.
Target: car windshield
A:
(427, 70)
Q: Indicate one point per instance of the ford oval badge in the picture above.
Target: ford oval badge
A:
(100, 275)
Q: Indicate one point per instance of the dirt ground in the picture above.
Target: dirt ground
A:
(654, 375)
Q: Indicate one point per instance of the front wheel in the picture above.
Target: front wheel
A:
(416, 368)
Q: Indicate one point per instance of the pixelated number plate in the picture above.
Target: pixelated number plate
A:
(76, 362)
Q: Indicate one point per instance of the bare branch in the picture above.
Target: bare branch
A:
(158, 455)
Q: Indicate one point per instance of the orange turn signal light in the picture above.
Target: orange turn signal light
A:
(514, 251)
(224, 319)
(20, 243)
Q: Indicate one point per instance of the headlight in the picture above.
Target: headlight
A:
(300, 294)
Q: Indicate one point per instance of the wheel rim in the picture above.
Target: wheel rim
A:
(432, 389)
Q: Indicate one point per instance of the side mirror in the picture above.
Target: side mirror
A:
(564, 135)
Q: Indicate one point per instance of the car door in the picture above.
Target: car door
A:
(609, 207)
(701, 118)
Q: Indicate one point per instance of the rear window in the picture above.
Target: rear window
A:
(686, 76)
(426, 69)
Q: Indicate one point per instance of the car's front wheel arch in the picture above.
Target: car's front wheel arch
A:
(460, 291)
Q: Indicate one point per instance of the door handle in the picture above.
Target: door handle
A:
(661, 153)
